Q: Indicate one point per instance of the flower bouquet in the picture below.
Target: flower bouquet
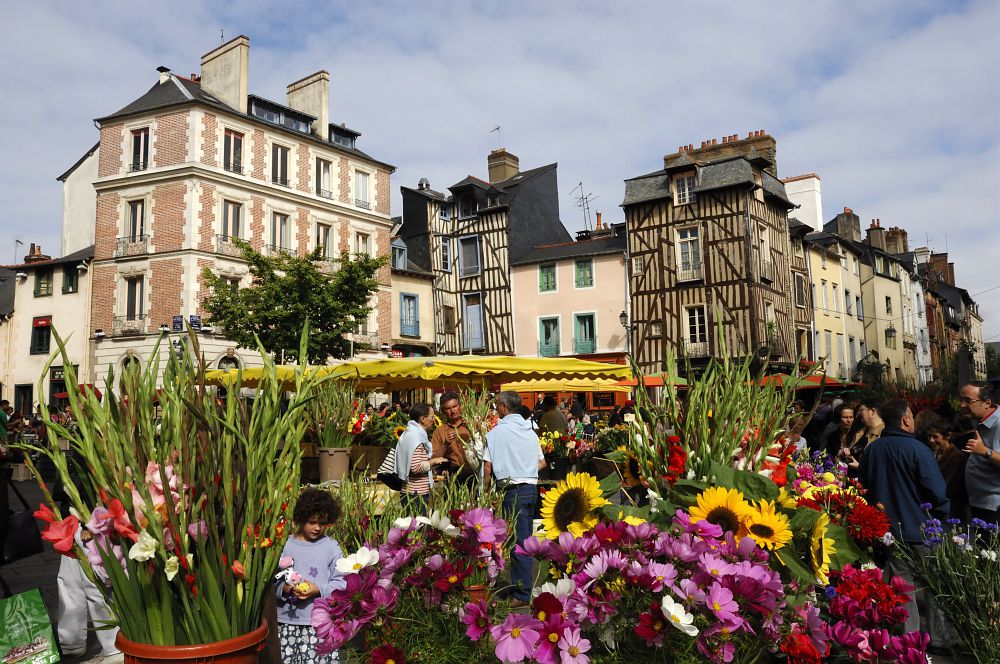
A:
(184, 497)
(480, 418)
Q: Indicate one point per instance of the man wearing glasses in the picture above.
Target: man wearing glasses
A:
(982, 472)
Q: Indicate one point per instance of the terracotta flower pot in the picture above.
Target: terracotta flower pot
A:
(477, 592)
(243, 649)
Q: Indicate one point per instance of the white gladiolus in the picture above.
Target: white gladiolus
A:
(144, 548)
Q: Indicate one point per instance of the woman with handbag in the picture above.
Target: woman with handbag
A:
(414, 463)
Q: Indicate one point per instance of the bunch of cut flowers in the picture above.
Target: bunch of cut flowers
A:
(406, 595)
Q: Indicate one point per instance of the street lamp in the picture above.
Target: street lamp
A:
(623, 319)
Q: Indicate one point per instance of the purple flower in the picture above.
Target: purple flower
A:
(830, 592)
(198, 530)
(925, 506)
(516, 637)
(382, 601)
(475, 615)
(97, 562)
(487, 527)
(720, 602)
(101, 523)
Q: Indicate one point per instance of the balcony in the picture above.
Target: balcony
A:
(409, 328)
(276, 250)
(324, 193)
(766, 271)
(131, 245)
(584, 345)
(234, 167)
(694, 273)
(126, 326)
(696, 348)
(224, 245)
(137, 166)
(550, 349)
(775, 344)
(281, 182)
(363, 204)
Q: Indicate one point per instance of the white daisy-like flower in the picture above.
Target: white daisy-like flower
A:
(988, 554)
(405, 522)
(364, 557)
(679, 618)
(561, 589)
(440, 522)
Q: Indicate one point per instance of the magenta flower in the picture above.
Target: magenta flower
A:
(475, 615)
(573, 647)
(516, 637)
(535, 547)
(547, 651)
(198, 530)
(720, 602)
(381, 601)
(487, 527)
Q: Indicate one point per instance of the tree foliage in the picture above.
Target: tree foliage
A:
(287, 291)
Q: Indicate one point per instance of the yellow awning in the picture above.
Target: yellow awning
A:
(569, 385)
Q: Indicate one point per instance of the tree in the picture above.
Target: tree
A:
(287, 291)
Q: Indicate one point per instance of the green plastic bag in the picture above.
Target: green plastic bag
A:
(25, 631)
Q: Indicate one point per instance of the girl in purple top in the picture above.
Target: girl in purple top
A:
(309, 570)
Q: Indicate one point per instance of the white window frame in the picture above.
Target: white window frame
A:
(360, 188)
(466, 337)
(323, 228)
(836, 299)
(356, 242)
(228, 162)
(130, 226)
(143, 162)
(280, 237)
(638, 264)
(276, 150)
(324, 178)
(694, 271)
(446, 261)
(700, 336)
(227, 225)
(684, 185)
(826, 299)
(143, 303)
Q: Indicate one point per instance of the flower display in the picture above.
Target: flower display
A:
(569, 506)
(767, 527)
(723, 507)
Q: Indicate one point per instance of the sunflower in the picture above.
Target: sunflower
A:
(398, 430)
(723, 507)
(631, 474)
(821, 549)
(767, 527)
(570, 505)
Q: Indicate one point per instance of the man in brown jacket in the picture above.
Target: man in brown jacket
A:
(449, 439)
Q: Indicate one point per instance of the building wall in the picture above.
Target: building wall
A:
(421, 287)
(876, 289)
(79, 206)
(838, 335)
(606, 299)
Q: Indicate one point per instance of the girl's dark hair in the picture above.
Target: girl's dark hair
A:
(419, 410)
(316, 503)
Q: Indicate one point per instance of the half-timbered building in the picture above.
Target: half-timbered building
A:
(708, 243)
(468, 239)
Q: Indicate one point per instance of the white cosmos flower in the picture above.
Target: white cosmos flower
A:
(364, 557)
(678, 617)
(440, 522)
(561, 589)
(144, 548)
(988, 554)
(405, 522)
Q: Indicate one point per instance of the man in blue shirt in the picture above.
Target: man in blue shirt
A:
(901, 473)
(982, 472)
(514, 457)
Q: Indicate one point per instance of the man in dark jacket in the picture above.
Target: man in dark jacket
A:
(901, 472)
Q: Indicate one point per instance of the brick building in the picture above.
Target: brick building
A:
(198, 161)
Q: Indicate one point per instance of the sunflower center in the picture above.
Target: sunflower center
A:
(762, 530)
(724, 518)
(516, 632)
(573, 505)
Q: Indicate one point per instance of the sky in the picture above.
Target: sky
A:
(895, 104)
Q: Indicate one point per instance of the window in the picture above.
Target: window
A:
(493, 200)
(43, 282)
(888, 304)
(361, 190)
(136, 231)
(279, 164)
(231, 213)
(828, 356)
(851, 347)
(444, 211)
(656, 329)
(857, 267)
(548, 337)
(822, 256)
(140, 149)
(41, 335)
(446, 254)
(800, 290)
(688, 254)
(684, 189)
(232, 151)
(766, 268)
(826, 302)
(638, 264)
(848, 304)
(879, 265)
(584, 334)
(362, 244)
(584, 269)
(279, 231)
(399, 257)
(799, 251)
(836, 299)
(448, 318)
(466, 206)
(323, 178)
(472, 322)
(70, 279)
(858, 307)
(409, 317)
(890, 337)
(546, 278)
(695, 331)
(468, 254)
(233, 283)
(323, 239)
(135, 304)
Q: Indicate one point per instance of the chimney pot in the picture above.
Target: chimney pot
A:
(703, 144)
(598, 220)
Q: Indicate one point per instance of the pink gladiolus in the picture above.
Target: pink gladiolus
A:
(516, 637)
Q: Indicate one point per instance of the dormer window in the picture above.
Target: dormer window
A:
(398, 254)
(494, 200)
(279, 115)
(684, 188)
(467, 206)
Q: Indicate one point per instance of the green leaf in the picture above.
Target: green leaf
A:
(619, 512)
(847, 551)
(790, 559)
(611, 485)
(724, 475)
(754, 486)
(791, 473)
(803, 520)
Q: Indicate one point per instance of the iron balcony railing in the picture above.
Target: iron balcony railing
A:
(132, 245)
(276, 249)
(550, 349)
(696, 348)
(693, 273)
(324, 193)
(283, 182)
(224, 245)
(766, 271)
(363, 204)
(775, 344)
(584, 345)
(409, 328)
(138, 166)
(123, 326)
(234, 167)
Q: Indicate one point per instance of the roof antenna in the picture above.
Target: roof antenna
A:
(583, 202)
(222, 35)
(499, 136)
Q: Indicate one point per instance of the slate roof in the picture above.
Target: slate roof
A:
(523, 176)
(178, 91)
(76, 257)
(471, 180)
(614, 244)
(429, 193)
(413, 268)
(7, 284)
(797, 228)
(822, 238)
(721, 174)
(775, 188)
(650, 187)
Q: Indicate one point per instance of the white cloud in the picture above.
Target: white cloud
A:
(894, 104)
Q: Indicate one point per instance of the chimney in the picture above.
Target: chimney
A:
(848, 225)
(598, 225)
(757, 142)
(35, 254)
(312, 95)
(502, 165)
(951, 273)
(876, 235)
(896, 241)
(939, 264)
(225, 72)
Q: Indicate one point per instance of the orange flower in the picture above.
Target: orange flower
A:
(238, 570)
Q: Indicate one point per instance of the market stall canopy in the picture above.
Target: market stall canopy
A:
(569, 385)
(251, 376)
(655, 380)
(817, 380)
(83, 388)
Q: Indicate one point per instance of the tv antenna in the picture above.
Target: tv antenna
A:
(222, 35)
(583, 202)
(499, 136)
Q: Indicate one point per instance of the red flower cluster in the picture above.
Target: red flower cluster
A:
(800, 649)
(777, 460)
(60, 532)
(868, 602)
(676, 459)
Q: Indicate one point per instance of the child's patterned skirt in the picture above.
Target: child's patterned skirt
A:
(298, 646)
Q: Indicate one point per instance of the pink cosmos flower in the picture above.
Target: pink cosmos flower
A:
(382, 600)
(487, 527)
(547, 651)
(516, 637)
(573, 647)
(720, 602)
(475, 615)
